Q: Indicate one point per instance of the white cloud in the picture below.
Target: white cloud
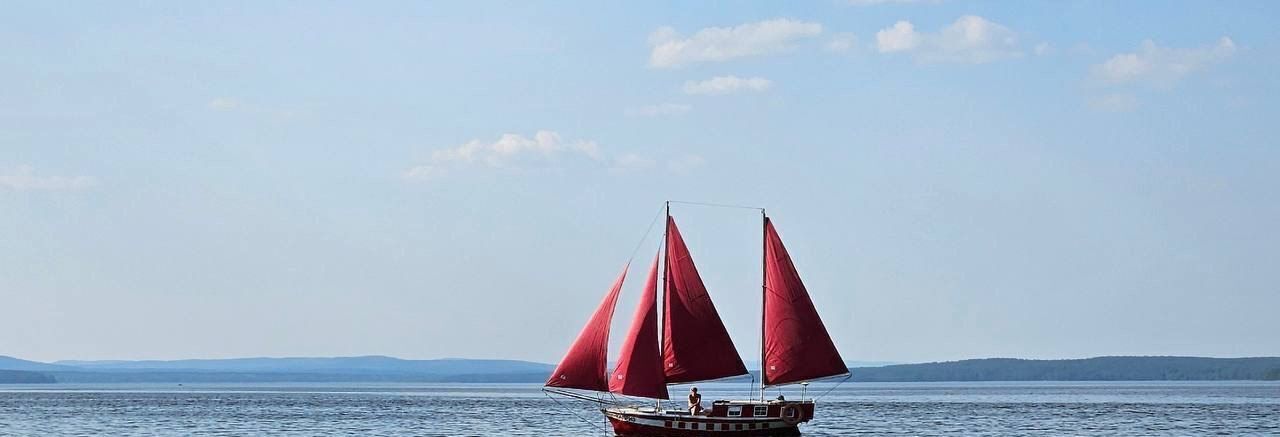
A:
(517, 153)
(970, 39)
(509, 147)
(665, 109)
(716, 44)
(726, 85)
(901, 37)
(24, 178)
(1118, 102)
(842, 42)
(512, 151)
(1161, 66)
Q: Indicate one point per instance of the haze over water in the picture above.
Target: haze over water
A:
(1029, 409)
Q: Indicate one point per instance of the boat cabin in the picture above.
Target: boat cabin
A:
(792, 411)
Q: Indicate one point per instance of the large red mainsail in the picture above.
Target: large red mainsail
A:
(696, 346)
(584, 366)
(796, 344)
(639, 370)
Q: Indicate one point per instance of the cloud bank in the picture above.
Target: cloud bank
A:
(1161, 66)
(970, 39)
(718, 44)
(726, 85)
(665, 109)
(506, 151)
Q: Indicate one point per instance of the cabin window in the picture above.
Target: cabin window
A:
(735, 411)
(791, 412)
(760, 411)
(724, 427)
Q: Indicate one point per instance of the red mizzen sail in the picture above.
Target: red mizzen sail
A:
(639, 370)
(584, 366)
(796, 344)
(696, 346)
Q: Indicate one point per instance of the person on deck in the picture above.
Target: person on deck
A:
(695, 402)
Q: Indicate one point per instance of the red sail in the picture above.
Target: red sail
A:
(696, 346)
(639, 370)
(584, 366)
(796, 344)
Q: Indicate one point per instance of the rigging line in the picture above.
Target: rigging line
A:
(716, 205)
(723, 378)
(645, 237)
(635, 400)
(575, 413)
(842, 380)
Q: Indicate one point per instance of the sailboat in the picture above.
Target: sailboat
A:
(693, 346)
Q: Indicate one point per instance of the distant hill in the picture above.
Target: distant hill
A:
(852, 364)
(178, 376)
(333, 369)
(389, 369)
(1089, 369)
(754, 365)
(11, 363)
(356, 365)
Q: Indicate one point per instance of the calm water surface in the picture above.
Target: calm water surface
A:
(1129, 409)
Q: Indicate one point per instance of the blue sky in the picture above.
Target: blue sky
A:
(954, 179)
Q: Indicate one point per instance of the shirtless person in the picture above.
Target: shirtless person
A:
(695, 402)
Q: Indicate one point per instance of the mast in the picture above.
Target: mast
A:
(665, 254)
(764, 291)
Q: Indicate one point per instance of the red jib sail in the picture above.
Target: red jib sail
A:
(796, 344)
(584, 366)
(696, 346)
(639, 370)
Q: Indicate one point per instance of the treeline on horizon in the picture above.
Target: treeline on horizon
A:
(1088, 369)
(990, 369)
(25, 377)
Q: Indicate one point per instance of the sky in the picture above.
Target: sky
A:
(953, 179)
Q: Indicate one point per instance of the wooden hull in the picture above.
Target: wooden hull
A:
(646, 422)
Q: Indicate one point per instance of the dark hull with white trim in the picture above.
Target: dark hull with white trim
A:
(777, 418)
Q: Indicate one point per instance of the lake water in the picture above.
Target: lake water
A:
(1068, 408)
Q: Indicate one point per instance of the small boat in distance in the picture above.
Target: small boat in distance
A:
(694, 347)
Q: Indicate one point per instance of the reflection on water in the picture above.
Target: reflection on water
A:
(522, 409)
